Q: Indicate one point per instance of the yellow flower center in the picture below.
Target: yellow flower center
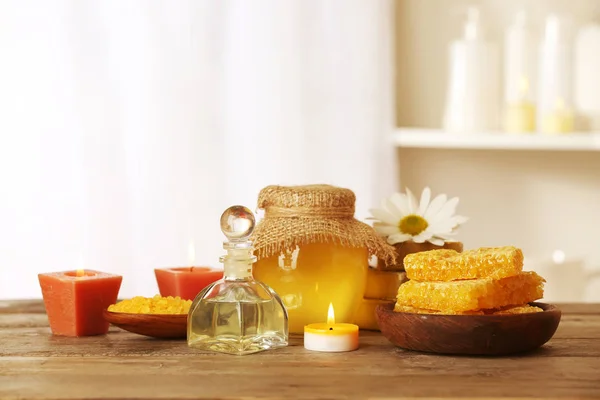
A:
(412, 224)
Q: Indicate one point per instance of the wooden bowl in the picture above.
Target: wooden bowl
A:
(172, 326)
(468, 334)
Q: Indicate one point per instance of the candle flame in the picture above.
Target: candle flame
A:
(79, 273)
(191, 254)
(330, 315)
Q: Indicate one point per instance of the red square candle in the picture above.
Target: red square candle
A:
(185, 282)
(75, 300)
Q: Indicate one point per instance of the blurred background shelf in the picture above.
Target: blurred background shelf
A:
(439, 139)
(541, 193)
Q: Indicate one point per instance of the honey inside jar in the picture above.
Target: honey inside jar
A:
(314, 275)
(312, 251)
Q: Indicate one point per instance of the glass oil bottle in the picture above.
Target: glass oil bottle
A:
(237, 314)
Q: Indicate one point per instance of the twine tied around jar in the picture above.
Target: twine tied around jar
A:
(307, 212)
(300, 215)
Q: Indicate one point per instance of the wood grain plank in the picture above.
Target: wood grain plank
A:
(35, 364)
(329, 376)
(22, 306)
(578, 326)
(32, 337)
(11, 321)
(38, 342)
(580, 308)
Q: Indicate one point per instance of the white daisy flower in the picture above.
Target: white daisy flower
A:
(402, 218)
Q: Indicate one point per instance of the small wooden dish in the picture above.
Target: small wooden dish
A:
(468, 334)
(172, 326)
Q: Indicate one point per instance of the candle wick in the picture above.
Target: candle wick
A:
(330, 329)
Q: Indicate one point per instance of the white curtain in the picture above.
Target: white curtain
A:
(127, 127)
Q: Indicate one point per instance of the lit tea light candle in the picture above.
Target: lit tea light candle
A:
(331, 337)
(75, 300)
(185, 282)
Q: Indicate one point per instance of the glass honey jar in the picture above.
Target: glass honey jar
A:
(313, 252)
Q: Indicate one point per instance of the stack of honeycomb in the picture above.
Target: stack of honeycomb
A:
(481, 281)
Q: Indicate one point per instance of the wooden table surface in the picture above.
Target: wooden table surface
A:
(35, 364)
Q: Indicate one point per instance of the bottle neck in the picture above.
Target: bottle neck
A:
(237, 264)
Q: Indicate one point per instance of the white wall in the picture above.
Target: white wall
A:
(126, 128)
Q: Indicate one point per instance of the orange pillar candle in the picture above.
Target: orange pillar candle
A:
(75, 300)
(185, 282)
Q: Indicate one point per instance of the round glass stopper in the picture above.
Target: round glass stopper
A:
(237, 223)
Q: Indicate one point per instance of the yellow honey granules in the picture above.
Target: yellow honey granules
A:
(154, 305)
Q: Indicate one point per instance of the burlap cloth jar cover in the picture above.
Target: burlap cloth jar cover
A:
(299, 215)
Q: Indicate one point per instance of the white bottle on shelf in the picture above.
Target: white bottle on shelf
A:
(555, 112)
(519, 74)
(472, 98)
(587, 77)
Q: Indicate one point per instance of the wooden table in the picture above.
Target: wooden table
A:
(35, 364)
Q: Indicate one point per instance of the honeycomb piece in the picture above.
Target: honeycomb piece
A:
(473, 294)
(449, 265)
(523, 309)
(409, 309)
